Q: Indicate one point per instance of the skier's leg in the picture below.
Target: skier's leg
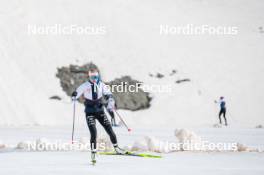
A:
(93, 132)
(224, 114)
(219, 115)
(102, 118)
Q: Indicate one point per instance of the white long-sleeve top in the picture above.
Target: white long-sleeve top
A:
(85, 89)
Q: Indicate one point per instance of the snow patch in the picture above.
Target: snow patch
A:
(24, 145)
(2, 145)
(140, 145)
(156, 145)
(145, 144)
(40, 144)
(243, 148)
(184, 135)
(150, 143)
(217, 125)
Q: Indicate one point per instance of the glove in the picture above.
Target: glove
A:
(74, 94)
(111, 104)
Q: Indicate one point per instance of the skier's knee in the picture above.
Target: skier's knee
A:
(90, 121)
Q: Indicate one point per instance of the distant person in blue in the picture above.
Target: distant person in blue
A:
(222, 111)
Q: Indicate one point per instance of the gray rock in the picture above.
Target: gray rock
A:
(55, 97)
(183, 80)
(173, 72)
(159, 75)
(129, 100)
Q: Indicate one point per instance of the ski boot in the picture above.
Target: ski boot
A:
(119, 150)
(93, 154)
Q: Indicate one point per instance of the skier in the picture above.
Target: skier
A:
(93, 91)
(222, 111)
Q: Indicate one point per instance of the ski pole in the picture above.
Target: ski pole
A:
(129, 129)
(73, 122)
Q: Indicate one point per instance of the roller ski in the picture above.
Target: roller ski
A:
(120, 151)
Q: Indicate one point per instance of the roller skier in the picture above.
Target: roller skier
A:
(93, 91)
(222, 111)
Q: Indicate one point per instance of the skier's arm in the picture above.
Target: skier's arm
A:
(217, 101)
(106, 91)
(79, 91)
(109, 96)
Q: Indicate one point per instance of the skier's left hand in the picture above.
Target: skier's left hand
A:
(111, 104)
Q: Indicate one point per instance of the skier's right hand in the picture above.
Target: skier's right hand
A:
(74, 94)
